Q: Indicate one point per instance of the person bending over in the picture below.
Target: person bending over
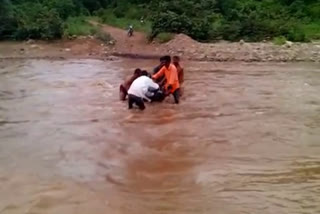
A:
(141, 89)
(124, 87)
(169, 71)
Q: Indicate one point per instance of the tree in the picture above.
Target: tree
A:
(37, 21)
(7, 22)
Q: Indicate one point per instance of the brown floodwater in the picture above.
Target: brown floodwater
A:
(245, 139)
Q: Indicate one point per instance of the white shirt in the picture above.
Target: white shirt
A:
(140, 86)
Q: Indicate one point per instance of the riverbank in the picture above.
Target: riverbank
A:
(182, 45)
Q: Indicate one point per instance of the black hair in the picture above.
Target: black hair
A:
(137, 71)
(144, 73)
(167, 58)
(162, 59)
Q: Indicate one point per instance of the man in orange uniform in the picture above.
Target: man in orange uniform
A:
(169, 70)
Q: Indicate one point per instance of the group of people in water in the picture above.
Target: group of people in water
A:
(167, 79)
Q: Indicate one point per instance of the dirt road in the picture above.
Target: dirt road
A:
(138, 44)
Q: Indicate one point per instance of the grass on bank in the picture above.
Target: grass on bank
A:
(164, 37)
(79, 26)
(312, 30)
(280, 40)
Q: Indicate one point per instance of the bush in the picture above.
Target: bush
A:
(312, 30)
(170, 22)
(281, 40)
(78, 26)
(65, 8)
(215, 32)
(89, 5)
(296, 35)
(183, 16)
(231, 30)
(36, 21)
(135, 12)
(8, 24)
(164, 37)
(313, 10)
(252, 20)
(119, 13)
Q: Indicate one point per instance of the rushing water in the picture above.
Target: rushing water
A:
(245, 139)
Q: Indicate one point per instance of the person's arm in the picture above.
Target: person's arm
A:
(152, 84)
(149, 89)
(127, 83)
(181, 76)
(156, 69)
(159, 74)
(145, 93)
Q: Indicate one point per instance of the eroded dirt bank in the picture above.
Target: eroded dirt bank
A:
(182, 45)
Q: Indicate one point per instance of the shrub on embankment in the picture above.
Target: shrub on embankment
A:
(251, 20)
(43, 19)
(203, 20)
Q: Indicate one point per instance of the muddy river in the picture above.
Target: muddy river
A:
(244, 140)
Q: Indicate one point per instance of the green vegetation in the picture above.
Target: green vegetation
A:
(107, 16)
(164, 37)
(312, 30)
(281, 40)
(78, 26)
(204, 20)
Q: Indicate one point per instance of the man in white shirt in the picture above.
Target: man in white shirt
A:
(140, 90)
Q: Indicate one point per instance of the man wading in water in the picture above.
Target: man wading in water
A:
(143, 88)
(124, 87)
(169, 71)
(161, 81)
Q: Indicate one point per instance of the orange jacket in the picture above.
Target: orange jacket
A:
(171, 75)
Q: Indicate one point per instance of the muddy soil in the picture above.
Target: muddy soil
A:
(139, 47)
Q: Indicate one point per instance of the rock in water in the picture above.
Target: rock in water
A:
(30, 41)
(34, 46)
(288, 44)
